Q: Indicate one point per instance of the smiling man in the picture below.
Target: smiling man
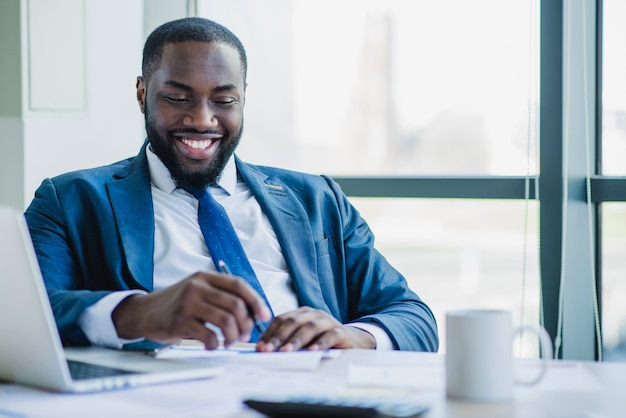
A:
(128, 251)
(197, 119)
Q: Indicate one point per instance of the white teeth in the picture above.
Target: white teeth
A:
(197, 144)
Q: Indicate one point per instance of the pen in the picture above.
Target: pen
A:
(257, 322)
(155, 351)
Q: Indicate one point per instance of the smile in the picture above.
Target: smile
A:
(197, 144)
(199, 147)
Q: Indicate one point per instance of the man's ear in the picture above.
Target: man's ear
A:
(141, 94)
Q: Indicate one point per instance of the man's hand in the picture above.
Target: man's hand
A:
(311, 329)
(181, 311)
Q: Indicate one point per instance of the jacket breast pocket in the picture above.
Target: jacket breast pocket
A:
(321, 247)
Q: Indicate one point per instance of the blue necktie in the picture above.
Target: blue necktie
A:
(223, 243)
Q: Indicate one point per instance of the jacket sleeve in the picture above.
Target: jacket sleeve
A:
(58, 259)
(376, 292)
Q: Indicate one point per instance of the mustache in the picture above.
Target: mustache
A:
(195, 131)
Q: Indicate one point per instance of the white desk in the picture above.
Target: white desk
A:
(570, 389)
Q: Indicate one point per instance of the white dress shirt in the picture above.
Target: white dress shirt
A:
(180, 249)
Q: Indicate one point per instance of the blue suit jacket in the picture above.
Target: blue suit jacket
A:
(93, 232)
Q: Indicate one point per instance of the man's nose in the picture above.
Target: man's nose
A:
(201, 117)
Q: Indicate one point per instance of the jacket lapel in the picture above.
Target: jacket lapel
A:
(292, 227)
(131, 200)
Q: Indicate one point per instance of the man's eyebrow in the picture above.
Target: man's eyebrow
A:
(225, 87)
(183, 86)
(178, 85)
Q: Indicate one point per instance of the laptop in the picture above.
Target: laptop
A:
(31, 352)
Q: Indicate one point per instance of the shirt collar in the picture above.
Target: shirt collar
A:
(161, 178)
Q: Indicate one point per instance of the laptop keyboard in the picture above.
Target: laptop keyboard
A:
(80, 370)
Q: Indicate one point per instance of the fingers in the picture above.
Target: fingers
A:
(182, 310)
(229, 303)
(304, 328)
(257, 307)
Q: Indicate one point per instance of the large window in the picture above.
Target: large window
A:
(405, 101)
(363, 87)
(357, 87)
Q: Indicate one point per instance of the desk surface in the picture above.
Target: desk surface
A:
(570, 389)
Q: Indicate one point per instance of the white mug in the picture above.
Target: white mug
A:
(479, 354)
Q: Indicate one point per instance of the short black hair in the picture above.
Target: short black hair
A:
(187, 29)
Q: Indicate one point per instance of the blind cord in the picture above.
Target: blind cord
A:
(530, 141)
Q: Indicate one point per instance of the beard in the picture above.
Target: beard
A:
(184, 176)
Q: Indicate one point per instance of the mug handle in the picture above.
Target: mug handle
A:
(546, 351)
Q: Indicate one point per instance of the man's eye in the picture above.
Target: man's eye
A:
(176, 99)
(224, 102)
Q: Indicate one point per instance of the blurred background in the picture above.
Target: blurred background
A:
(349, 88)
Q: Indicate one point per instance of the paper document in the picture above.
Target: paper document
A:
(245, 354)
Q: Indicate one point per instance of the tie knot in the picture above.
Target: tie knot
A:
(198, 193)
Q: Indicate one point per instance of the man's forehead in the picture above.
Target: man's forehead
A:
(198, 55)
(200, 49)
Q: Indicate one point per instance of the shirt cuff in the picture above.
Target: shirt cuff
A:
(383, 342)
(96, 322)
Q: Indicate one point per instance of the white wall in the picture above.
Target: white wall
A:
(110, 125)
(67, 91)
